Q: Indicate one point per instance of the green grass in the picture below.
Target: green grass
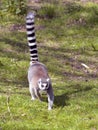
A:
(64, 43)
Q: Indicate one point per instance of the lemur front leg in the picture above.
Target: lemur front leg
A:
(50, 98)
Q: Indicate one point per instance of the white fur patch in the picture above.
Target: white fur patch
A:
(29, 26)
(31, 38)
(30, 32)
(43, 85)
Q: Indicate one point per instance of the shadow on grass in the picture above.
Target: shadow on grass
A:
(17, 83)
(18, 46)
(64, 99)
(65, 58)
(13, 55)
(13, 46)
(61, 100)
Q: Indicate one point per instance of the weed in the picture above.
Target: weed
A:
(15, 7)
(48, 11)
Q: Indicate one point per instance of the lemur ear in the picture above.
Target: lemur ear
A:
(48, 79)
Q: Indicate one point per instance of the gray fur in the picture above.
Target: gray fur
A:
(37, 72)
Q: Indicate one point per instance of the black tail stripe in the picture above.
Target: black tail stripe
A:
(30, 29)
(27, 23)
(32, 41)
(33, 47)
(34, 56)
(33, 52)
(31, 35)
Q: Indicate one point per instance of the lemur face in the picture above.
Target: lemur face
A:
(43, 84)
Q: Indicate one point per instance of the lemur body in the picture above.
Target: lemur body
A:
(38, 77)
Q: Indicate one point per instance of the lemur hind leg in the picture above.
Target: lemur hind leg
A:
(38, 94)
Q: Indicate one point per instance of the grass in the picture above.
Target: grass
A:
(64, 43)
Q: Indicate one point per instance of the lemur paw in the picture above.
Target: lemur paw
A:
(49, 108)
(33, 98)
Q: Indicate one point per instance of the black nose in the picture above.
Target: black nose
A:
(42, 86)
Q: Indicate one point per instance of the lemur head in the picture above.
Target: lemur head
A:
(43, 83)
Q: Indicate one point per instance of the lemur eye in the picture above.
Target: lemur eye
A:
(47, 86)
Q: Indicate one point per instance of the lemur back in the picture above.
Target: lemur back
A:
(38, 77)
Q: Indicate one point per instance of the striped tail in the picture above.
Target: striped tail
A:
(31, 37)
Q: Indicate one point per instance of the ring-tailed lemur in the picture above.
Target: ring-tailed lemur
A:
(38, 77)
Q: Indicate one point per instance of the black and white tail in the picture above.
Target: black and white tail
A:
(31, 37)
